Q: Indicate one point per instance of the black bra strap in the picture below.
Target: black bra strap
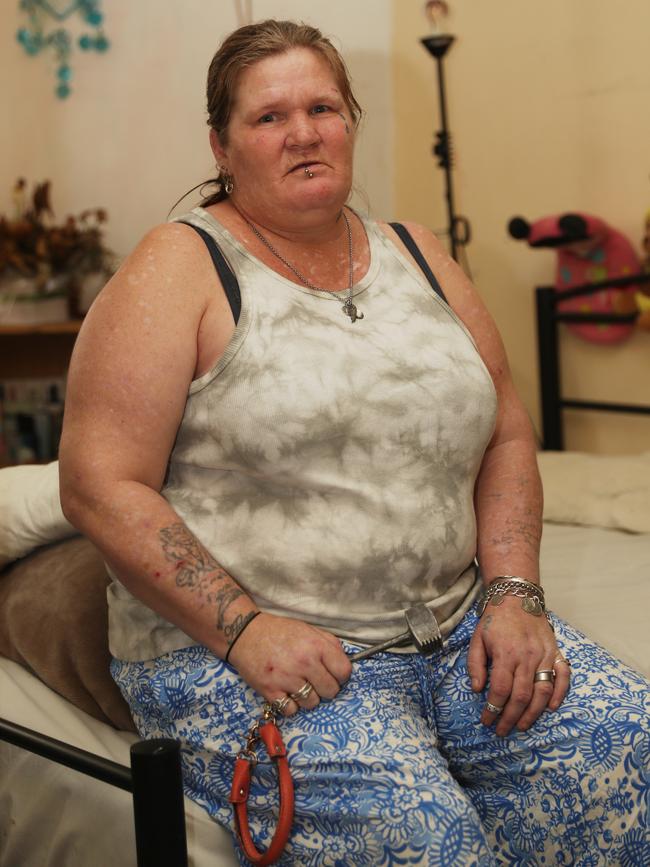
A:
(228, 279)
(414, 250)
(231, 286)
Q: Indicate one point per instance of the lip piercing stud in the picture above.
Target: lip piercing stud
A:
(309, 173)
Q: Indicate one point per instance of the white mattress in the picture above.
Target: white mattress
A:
(50, 816)
(599, 581)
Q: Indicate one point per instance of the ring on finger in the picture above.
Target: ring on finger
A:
(492, 708)
(543, 675)
(281, 703)
(303, 693)
(560, 658)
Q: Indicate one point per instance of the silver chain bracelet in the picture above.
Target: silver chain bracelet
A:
(531, 595)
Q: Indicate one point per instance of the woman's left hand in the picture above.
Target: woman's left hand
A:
(517, 645)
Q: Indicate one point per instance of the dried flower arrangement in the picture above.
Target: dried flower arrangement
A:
(40, 260)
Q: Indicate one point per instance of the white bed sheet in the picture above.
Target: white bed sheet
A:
(52, 816)
(598, 580)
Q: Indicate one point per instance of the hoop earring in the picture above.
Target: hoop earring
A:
(228, 185)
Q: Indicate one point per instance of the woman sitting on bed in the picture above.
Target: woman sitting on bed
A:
(276, 467)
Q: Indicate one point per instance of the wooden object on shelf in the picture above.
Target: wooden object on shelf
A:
(37, 350)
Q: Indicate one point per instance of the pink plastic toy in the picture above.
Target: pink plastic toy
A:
(589, 251)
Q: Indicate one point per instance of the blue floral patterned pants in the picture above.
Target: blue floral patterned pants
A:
(398, 769)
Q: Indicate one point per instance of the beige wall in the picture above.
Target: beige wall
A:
(548, 105)
(132, 137)
(549, 108)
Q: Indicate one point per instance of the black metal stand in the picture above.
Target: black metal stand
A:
(458, 228)
(158, 803)
(549, 369)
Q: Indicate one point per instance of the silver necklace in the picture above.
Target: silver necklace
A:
(349, 308)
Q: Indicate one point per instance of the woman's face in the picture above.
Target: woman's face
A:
(288, 115)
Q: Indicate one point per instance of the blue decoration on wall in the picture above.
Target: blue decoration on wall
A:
(35, 39)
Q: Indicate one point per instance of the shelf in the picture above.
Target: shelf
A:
(72, 326)
(37, 350)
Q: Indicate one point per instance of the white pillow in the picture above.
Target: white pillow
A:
(30, 510)
(611, 491)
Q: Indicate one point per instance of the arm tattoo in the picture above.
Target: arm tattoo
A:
(242, 620)
(522, 529)
(222, 599)
(193, 563)
(197, 570)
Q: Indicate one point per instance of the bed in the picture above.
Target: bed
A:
(79, 820)
(595, 556)
(54, 675)
(54, 681)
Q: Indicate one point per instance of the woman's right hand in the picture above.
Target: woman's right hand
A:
(278, 655)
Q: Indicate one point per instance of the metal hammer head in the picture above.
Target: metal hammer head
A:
(424, 629)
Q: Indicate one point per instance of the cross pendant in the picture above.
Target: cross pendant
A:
(350, 310)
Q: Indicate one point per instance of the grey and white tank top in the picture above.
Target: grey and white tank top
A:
(329, 466)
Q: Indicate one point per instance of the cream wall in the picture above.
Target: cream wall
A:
(549, 109)
(548, 106)
(132, 136)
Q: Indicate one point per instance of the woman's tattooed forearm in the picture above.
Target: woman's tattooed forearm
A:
(197, 570)
(516, 531)
(232, 631)
(223, 599)
(195, 567)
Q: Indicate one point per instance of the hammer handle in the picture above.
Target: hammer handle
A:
(377, 648)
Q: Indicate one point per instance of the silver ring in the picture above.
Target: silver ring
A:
(303, 693)
(280, 703)
(563, 659)
(492, 708)
(544, 675)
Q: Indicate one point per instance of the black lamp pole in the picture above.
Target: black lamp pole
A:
(438, 47)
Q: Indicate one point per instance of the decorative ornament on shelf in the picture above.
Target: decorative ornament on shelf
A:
(49, 271)
(35, 39)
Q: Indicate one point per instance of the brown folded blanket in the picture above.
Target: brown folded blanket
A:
(54, 621)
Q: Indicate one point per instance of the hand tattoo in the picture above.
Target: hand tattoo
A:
(486, 622)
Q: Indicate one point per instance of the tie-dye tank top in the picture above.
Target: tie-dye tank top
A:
(329, 465)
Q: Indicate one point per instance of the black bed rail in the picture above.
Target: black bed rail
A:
(154, 779)
(592, 288)
(547, 299)
(612, 318)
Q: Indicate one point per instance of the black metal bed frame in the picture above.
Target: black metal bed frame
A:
(154, 779)
(548, 318)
